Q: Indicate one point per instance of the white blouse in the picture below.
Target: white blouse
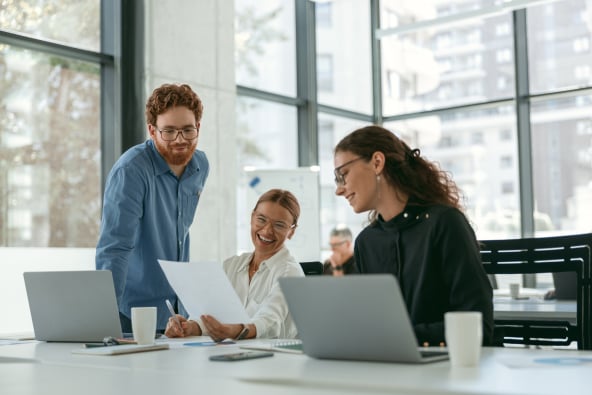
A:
(263, 298)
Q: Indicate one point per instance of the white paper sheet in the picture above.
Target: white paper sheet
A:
(204, 288)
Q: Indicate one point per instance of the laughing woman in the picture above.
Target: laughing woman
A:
(254, 276)
(417, 230)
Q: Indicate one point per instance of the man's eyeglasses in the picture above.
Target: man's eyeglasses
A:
(278, 226)
(339, 176)
(337, 244)
(170, 134)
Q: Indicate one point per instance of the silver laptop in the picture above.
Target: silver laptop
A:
(73, 306)
(355, 317)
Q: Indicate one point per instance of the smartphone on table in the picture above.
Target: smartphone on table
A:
(240, 356)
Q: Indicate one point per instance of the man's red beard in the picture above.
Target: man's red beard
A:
(176, 158)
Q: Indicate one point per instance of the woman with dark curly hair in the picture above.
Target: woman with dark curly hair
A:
(417, 230)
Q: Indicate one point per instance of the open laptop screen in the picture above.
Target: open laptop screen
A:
(73, 306)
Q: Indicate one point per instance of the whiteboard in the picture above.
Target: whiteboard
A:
(303, 182)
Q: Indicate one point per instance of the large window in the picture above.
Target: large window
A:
(461, 142)
(562, 164)
(443, 66)
(501, 100)
(559, 51)
(49, 149)
(72, 22)
(265, 45)
(344, 72)
(335, 210)
(266, 134)
(50, 187)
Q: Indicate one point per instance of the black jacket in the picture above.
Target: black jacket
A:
(434, 253)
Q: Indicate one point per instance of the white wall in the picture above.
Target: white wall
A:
(14, 308)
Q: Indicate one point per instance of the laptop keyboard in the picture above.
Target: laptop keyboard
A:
(295, 345)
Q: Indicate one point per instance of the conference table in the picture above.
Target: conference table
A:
(51, 368)
(534, 308)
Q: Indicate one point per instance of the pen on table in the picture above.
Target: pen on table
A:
(172, 311)
(92, 345)
(109, 341)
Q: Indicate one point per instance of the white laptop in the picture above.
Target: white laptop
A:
(73, 306)
(355, 317)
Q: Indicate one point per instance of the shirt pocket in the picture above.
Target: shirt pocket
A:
(189, 207)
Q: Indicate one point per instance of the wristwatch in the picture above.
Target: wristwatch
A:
(243, 333)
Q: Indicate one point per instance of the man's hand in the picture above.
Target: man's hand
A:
(336, 260)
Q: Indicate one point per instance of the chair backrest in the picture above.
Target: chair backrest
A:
(312, 268)
(571, 253)
(538, 255)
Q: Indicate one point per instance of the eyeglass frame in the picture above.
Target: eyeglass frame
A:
(337, 244)
(340, 177)
(284, 228)
(179, 131)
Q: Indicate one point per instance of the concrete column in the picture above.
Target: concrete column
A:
(192, 41)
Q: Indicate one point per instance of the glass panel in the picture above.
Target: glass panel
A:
(562, 165)
(72, 22)
(266, 139)
(479, 149)
(335, 210)
(265, 45)
(344, 65)
(49, 150)
(560, 45)
(445, 65)
(395, 13)
(266, 134)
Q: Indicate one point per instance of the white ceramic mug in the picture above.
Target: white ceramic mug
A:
(464, 335)
(515, 290)
(144, 324)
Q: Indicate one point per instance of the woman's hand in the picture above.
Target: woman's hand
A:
(219, 331)
(187, 328)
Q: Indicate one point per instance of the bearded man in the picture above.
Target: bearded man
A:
(150, 200)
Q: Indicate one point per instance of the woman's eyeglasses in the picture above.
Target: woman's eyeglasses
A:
(339, 176)
(261, 221)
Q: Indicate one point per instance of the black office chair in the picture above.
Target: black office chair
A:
(545, 255)
(312, 268)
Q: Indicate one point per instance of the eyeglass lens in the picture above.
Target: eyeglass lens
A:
(339, 176)
(172, 134)
(278, 226)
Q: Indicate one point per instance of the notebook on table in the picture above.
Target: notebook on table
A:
(356, 317)
(121, 349)
(291, 346)
(73, 306)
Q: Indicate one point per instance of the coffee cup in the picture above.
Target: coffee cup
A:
(515, 290)
(464, 335)
(144, 324)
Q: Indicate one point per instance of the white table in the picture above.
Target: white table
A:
(42, 368)
(533, 308)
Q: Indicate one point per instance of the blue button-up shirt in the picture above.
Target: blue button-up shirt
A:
(147, 212)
